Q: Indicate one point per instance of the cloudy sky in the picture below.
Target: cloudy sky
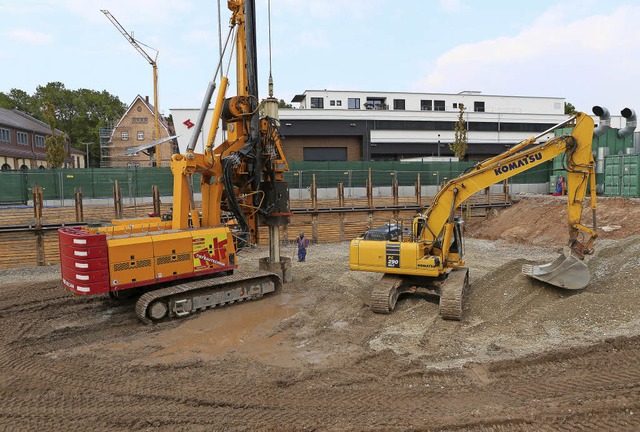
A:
(585, 51)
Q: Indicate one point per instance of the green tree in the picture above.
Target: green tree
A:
(55, 144)
(79, 113)
(569, 108)
(281, 104)
(460, 143)
(18, 99)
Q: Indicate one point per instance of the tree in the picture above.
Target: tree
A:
(79, 113)
(55, 144)
(569, 108)
(281, 104)
(17, 99)
(460, 144)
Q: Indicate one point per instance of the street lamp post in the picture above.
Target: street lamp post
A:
(438, 145)
(87, 147)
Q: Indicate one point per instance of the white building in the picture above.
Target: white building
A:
(357, 125)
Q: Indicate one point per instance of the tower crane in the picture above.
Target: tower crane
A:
(153, 62)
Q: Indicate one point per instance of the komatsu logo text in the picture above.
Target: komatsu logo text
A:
(518, 163)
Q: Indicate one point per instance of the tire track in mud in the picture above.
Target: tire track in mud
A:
(55, 370)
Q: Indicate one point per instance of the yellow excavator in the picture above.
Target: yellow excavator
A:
(428, 255)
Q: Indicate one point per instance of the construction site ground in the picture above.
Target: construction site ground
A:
(525, 357)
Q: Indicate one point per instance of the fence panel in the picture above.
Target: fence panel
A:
(13, 189)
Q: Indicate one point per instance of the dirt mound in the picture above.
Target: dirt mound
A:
(542, 220)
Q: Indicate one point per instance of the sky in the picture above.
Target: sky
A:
(584, 51)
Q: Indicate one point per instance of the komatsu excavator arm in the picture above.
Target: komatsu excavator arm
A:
(580, 166)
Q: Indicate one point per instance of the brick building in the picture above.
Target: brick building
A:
(136, 128)
(22, 143)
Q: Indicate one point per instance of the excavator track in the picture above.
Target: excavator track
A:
(186, 298)
(385, 294)
(453, 292)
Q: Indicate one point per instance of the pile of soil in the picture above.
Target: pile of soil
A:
(542, 220)
(526, 356)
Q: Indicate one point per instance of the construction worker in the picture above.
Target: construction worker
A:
(303, 243)
(560, 186)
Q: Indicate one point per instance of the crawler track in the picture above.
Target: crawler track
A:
(186, 298)
(453, 292)
(385, 293)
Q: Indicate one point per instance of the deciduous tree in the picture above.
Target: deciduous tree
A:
(79, 113)
(55, 144)
(460, 144)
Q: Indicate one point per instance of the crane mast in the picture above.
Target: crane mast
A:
(154, 65)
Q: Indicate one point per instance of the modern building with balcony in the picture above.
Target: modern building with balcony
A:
(336, 125)
(355, 125)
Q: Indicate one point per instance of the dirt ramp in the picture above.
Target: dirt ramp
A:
(507, 295)
(508, 314)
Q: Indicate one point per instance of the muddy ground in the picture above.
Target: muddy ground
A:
(527, 356)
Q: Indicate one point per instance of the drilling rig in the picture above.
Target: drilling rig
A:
(188, 261)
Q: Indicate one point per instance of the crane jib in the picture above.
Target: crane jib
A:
(518, 164)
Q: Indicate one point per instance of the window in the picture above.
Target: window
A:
(455, 105)
(353, 103)
(22, 138)
(398, 104)
(317, 102)
(524, 127)
(5, 167)
(125, 136)
(40, 141)
(140, 135)
(5, 135)
(140, 120)
(325, 153)
(438, 105)
(332, 103)
(376, 103)
(426, 105)
(483, 126)
(339, 102)
(478, 106)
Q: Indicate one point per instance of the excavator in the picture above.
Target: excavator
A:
(185, 263)
(426, 255)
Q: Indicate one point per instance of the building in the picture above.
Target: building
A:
(363, 126)
(353, 125)
(136, 128)
(22, 142)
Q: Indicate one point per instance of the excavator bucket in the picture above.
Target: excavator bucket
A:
(567, 271)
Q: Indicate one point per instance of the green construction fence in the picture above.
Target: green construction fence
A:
(16, 186)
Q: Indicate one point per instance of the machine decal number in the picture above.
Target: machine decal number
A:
(393, 256)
